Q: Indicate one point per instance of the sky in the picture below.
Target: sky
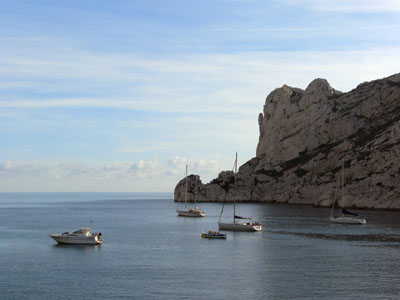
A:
(118, 96)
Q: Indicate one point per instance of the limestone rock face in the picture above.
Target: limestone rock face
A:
(294, 120)
(306, 135)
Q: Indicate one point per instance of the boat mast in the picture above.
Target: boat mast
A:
(234, 191)
(342, 189)
(180, 195)
(342, 194)
(186, 186)
(195, 193)
(333, 204)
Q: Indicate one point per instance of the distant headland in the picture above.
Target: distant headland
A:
(305, 135)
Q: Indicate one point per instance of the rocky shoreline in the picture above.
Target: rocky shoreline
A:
(305, 136)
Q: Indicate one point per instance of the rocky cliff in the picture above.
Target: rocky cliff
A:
(305, 138)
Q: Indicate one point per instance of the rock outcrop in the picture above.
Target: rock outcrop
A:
(305, 138)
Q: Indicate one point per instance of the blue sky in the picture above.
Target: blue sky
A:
(120, 95)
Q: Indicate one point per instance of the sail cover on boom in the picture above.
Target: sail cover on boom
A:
(239, 217)
(346, 212)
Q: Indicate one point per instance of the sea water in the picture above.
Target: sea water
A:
(151, 253)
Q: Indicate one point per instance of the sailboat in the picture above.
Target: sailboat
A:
(236, 225)
(347, 217)
(189, 211)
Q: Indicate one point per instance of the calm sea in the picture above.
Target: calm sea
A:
(150, 253)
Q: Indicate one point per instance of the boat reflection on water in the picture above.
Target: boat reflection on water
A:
(78, 248)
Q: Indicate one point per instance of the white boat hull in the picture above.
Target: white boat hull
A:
(191, 213)
(239, 227)
(347, 220)
(79, 240)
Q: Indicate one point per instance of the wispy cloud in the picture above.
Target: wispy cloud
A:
(349, 6)
(231, 83)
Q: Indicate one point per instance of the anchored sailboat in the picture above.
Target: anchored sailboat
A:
(347, 217)
(189, 211)
(236, 225)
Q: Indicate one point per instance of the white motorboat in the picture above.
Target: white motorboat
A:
(81, 236)
(236, 225)
(190, 211)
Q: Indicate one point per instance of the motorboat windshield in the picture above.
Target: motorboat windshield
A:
(82, 231)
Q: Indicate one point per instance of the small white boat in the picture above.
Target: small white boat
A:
(196, 211)
(81, 236)
(348, 220)
(191, 212)
(213, 235)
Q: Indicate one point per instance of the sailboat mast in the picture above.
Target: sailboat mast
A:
(195, 193)
(342, 180)
(234, 195)
(186, 185)
(333, 204)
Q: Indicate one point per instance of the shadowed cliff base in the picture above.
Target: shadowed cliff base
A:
(305, 135)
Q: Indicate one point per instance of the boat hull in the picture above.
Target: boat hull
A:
(348, 220)
(213, 236)
(239, 227)
(77, 240)
(188, 213)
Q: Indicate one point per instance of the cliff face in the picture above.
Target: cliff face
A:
(305, 135)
